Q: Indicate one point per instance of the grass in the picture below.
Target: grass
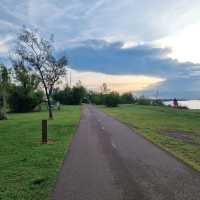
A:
(150, 121)
(28, 169)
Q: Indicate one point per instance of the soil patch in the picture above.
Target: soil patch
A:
(186, 137)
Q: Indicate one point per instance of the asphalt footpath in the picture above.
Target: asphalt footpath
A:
(109, 161)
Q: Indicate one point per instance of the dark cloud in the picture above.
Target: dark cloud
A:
(186, 88)
(113, 59)
(181, 78)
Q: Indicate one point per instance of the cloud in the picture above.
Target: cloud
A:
(101, 19)
(5, 44)
(185, 44)
(180, 78)
(89, 32)
(112, 58)
(119, 83)
(180, 87)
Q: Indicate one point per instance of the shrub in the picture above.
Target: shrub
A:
(96, 98)
(157, 102)
(143, 101)
(127, 98)
(22, 101)
(63, 96)
(70, 96)
(183, 107)
(78, 93)
(112, 99)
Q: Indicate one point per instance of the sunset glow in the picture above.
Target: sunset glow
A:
(118, 83)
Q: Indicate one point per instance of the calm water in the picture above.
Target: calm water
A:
(191, 104)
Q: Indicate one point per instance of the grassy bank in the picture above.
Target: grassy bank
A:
(28, 169)
(155, 123)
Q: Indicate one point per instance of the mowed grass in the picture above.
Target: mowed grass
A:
(28, 169)
(150, 121)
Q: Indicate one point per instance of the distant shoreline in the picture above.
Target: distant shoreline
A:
(191, 104)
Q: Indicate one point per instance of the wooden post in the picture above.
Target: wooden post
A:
(44, 132)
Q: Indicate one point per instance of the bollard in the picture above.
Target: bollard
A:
(44, 132)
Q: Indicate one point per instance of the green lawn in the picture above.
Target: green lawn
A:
(28, 169)
(151, 120)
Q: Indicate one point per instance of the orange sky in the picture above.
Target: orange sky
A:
(119, 83)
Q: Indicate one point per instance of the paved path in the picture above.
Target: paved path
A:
(108, 161)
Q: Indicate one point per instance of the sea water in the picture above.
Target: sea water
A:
(191, 104)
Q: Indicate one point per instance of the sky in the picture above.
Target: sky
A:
(139, 46)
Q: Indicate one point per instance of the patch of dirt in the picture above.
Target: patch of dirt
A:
(49, 142)
(180, 136)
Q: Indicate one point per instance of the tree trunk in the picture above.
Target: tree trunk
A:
(3, 106)
(49, 107)
(48, 98)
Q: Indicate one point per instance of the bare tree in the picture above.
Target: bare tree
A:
(104, 88)
(37, 53)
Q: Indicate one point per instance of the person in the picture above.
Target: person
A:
(175, 102)
(58, 105)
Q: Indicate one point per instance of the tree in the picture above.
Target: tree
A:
(104, 88)
(23, 100)
(24, 97)
(4, 84)
(127, 98)
(63, 96)
(96, 98)
(70, 96)
(78, 93)
(37, 53)
(112, 99)
(24, 77)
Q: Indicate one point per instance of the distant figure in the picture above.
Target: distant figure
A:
(175, 102)
(58, 105)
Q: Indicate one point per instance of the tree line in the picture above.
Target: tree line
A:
(79, 94)
(21, 92)
(34, 73)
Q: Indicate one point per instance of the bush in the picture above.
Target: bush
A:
(22, 101)
(127, 98)
(112, 99)
(96, 98)
(183, 107)
(70, 96)
(144, 101)
(157, 102)
(63, 96)
(78, 94)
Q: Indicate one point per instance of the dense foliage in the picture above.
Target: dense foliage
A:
(24, 96)
(70, 96)
(112, 99)
(127, 98)
(79, 94)
(23, 100)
